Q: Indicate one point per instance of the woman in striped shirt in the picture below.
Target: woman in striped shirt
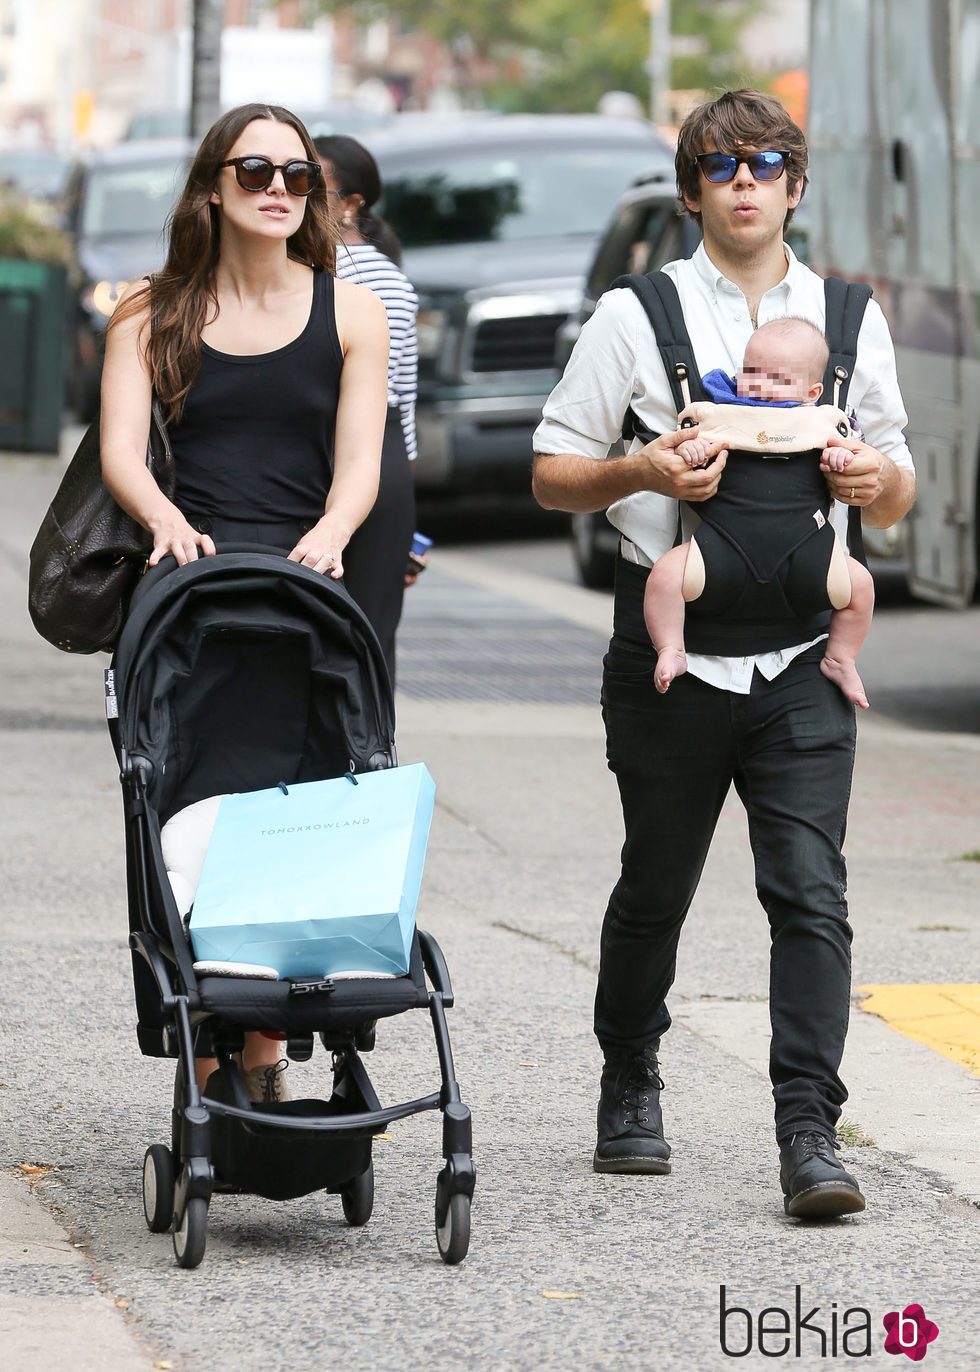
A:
(369, 253)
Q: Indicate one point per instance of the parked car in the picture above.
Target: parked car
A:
(499, 216)
(115, 209)
(40, 172)
(340, 117)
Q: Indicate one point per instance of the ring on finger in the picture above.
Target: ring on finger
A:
(851, 496)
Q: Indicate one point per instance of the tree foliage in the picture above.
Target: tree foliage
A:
(572, 51)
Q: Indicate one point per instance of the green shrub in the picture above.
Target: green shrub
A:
(27, 234)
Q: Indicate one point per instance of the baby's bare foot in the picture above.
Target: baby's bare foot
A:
(844, 674)
(671, 663)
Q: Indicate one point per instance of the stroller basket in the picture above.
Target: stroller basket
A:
(189, 687)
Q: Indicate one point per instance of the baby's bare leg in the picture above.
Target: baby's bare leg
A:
(663, 611)
(849, 625)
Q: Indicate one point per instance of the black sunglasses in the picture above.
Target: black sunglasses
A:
(258, 174)
(719, 167)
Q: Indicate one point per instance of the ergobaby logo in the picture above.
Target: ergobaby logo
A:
(825, 1332)
(762, 438)
(312, 828)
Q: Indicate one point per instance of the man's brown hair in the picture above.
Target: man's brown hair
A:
(736, 120)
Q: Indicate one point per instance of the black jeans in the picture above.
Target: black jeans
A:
(788, 747)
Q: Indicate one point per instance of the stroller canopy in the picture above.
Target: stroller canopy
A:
(242, 670)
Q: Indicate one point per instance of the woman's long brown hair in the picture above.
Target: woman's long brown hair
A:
(182, 297)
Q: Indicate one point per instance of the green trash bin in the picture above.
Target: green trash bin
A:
(32, 345)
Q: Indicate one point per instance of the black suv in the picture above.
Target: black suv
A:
(115, 209)
(500, 217)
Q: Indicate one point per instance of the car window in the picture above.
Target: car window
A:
(508, 195)
(36, 172)
(643, 237)
(136, 200)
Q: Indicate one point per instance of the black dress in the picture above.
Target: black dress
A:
(254, 460)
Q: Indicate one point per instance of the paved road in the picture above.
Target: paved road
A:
(921, 663)
(499, 672)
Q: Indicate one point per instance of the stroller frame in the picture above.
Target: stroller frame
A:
(221, 1141)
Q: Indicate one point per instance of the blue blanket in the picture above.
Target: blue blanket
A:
(720, 387)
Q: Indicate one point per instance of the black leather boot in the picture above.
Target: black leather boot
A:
(815, 1185)
(631, 1128)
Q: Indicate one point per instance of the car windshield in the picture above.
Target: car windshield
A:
(131, 200)
(37, 173)
(508, 195)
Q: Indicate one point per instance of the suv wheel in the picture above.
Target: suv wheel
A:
(596, 566)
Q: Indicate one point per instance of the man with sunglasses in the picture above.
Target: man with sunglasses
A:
(770, 723)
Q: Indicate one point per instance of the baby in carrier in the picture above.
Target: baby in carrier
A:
(744, 560)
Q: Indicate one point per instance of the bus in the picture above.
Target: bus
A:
(894, 200)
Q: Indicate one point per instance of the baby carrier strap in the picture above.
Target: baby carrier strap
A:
(657, 294)
(845, 303)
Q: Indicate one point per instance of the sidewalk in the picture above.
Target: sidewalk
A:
(53, 1315)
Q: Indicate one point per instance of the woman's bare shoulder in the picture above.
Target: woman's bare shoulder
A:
(360, 313)
(131, 316)
(355, 294)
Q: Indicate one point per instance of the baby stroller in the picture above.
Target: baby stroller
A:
(235, 673)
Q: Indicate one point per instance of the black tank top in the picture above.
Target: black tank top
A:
(256, 438)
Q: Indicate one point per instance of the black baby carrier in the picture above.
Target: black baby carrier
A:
(236, 673)
(765, 536)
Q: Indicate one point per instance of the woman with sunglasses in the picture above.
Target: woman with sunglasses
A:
(377, 564)
(272, 375)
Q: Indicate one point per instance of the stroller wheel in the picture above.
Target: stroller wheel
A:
(357, 1198)
(191, 1232)
(453, 1234)
(158, 1188)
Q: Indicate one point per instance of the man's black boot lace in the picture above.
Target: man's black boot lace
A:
(815, 1184)
(630, 1124)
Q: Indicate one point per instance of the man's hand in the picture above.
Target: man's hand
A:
(854, 471)
(670, 475)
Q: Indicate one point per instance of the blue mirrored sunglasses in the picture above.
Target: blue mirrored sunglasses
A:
(718, 167)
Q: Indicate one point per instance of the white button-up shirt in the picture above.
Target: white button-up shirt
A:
(616, 364)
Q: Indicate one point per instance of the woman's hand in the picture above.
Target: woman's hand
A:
(321, 547)
(670, 475)
(174, 537)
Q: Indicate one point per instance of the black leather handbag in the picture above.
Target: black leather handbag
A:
(89, 553)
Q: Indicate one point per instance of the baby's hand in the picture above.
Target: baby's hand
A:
(695, 451)
(836, 459)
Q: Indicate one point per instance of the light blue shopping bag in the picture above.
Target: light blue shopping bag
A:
(322, 878)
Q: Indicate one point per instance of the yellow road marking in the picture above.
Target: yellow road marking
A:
(946, 1018)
